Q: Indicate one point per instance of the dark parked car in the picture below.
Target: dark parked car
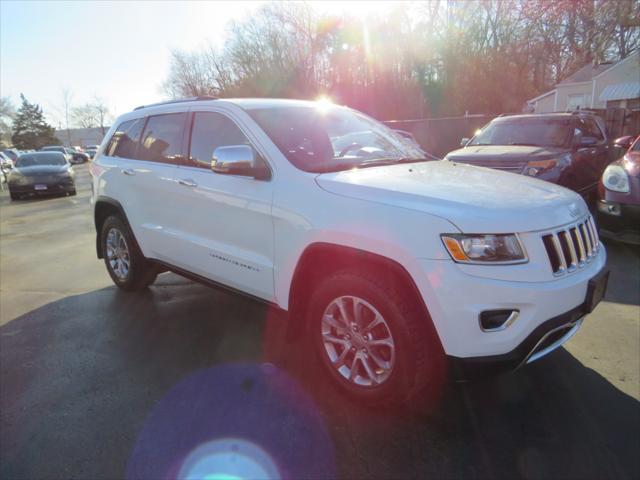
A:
(569, 149)
(78, 156)
(41, 173)
(91, 152)
(619, 205)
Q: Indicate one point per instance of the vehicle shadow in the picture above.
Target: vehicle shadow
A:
(107, 384)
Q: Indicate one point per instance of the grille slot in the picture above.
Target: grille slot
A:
(573, 247)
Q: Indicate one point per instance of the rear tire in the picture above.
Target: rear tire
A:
(127, 267)
(72, 192)
(396, 360)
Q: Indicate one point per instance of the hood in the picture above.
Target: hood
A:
(476, 200)
(483, 153)
(41, 170)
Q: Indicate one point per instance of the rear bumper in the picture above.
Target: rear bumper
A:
(544, 339)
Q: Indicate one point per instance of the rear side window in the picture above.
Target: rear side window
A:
(125, 140)
(162, 139)
(210, 131)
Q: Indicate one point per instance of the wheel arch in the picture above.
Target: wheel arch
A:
(105, 207)
(321, 259)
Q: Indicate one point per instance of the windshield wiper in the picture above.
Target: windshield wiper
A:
(517, 144)
(391, 161)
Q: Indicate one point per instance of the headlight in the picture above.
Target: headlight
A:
(485, 248)
(615, 178)
(536, 167)
(16, 177)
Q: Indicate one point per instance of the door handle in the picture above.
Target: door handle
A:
(128, 171)
(187, 182)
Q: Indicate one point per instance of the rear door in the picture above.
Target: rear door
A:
(156, 196)
(227, 217)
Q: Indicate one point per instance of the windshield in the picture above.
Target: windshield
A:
(534, 132)
(40, 159)
(333, 138)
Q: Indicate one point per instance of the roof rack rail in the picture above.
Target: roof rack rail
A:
(588, 111)
(179, 100)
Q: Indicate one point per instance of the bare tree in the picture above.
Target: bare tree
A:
(84, 116)
(102, 114)
(436, 57)
(7, 113)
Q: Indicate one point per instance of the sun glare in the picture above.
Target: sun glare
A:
(323, 103)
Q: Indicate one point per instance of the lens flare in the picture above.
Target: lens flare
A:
(229, 459)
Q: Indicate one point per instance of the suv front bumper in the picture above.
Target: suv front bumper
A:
(543, 340)
(456, 299)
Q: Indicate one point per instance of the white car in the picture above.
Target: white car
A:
(396, 268)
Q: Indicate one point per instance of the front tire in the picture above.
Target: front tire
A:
(374, 342)
(14, 196)
(125, 263)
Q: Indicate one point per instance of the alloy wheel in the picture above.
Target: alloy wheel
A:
(358, 341)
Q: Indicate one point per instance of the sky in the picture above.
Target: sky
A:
(118, 51)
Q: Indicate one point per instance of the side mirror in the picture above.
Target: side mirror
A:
(464, 141)
(623, 142)
(238, 160)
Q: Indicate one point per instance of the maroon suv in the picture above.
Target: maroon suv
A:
(619, 204)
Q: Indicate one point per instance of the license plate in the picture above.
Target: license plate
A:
(595, 290)
(40, 187)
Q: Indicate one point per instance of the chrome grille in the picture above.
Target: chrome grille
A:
(573, 247)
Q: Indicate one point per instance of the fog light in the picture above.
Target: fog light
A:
(609, 208)
(494, 320)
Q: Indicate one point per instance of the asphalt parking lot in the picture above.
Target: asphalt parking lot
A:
(96, 383)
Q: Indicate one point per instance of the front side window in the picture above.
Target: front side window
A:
(162, 139)
(124, 142)
(210, 131)
(591, 129)
(320, 139)
(542, 132)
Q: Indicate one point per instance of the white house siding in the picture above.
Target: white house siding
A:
(567, 92)
(546, 104)
(626, 71)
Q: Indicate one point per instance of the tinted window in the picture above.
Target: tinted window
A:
(538, 132)
(162, 138)
(40, 159)
(590, 128)
(124, 141)
(210, 131)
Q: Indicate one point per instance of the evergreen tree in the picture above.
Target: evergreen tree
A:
(30, 130)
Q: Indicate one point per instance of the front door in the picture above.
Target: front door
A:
(227, 217)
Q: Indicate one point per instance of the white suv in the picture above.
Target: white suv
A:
(396, 267)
